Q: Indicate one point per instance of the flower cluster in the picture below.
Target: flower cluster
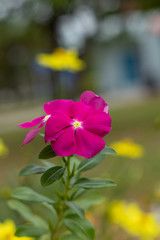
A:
(73, 127)
(133, 220)
(62, 60)
(127, 148)
(7, 231)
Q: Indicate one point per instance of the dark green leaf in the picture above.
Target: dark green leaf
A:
(51, 175)
(30, 231)
(108, 150)
(87, 164)
(94, 183)
(76, 209)
(28, 194)
(47, 152)
(33, 169)
(26, 213)
(80, 227)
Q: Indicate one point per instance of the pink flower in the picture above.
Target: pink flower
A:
(79, 130)
(95, 101)
(73, 127)
(49, 108)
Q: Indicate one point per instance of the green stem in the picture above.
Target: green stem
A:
(61, 205)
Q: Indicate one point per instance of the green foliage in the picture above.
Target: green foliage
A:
(33, 169)
(82, 228)
(76, 209)
(90, 201)
(30, 231)
(88, 164)
(51, 175)
(94, 183)
(28, 194)
(64, 211)
(70, 237)
(27, 214)
(47, 153)
(107, 150)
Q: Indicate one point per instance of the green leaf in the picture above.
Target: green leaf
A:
(76, 209)
(77, 193)
(47, 163)
(26, 213)
(108, 150)
(80, 227)
(47, 152)
(90, 201)
(87, 183)
(33, 169)
(87, 164)
(28, 194)
(30, 231)
(50, 212)
(51, 175)
(70, 237)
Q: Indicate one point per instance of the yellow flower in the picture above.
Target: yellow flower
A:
(61, 59)
(7, 231)
(127, 148)
(133, 220)
(3, 149)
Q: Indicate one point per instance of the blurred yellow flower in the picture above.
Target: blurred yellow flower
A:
(3, 149)
(133, 220)
(127, 148)
(7, 231)
(62, 59)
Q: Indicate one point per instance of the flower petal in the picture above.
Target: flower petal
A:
(31, 134)
(80, 111)
(32, 123)
(88, 144)
(65, 145)
(55, 124)
(95, 101)
(63, 105)
(98, 122)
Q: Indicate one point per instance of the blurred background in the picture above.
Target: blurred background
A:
(119, 40)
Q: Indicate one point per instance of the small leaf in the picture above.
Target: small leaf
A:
(77, 193)
(80, 227)
(28, 194)
(108, 150)
(26, 213)
(47, 163)
(90, 201)
(87, 183)
(88, 164)
(51, 175)
(76, 209)
(33, 169)
(30, 231)
(47, 152)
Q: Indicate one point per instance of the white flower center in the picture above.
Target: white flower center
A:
(77, 124)
(46, 118)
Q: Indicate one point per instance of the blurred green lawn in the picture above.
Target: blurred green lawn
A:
(136, 179)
